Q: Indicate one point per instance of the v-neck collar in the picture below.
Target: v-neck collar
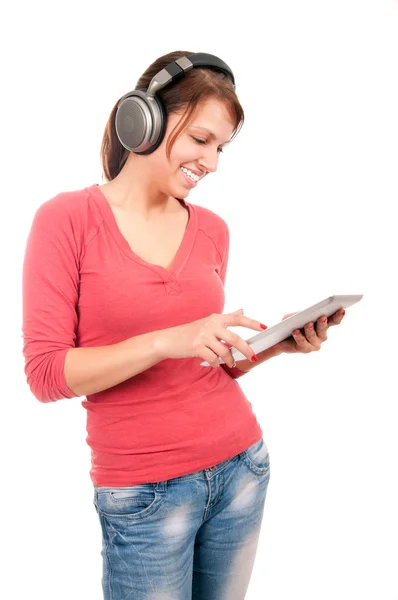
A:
(183, 251)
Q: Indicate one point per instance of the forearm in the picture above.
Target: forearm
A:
(246, 365)
(92, 370)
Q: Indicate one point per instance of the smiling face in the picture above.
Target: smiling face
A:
(147, 183)
(197, 148)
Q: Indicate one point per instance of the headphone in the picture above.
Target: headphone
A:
(141, 117)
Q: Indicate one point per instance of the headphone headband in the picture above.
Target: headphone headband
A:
(179, 67)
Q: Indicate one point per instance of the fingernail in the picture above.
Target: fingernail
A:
(263, 326)
(254, 358)
(343, 312)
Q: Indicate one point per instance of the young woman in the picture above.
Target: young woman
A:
(123, 296)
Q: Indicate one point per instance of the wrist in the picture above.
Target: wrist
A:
(247, 365)
(161, 344)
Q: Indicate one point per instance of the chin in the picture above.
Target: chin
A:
(181, 193)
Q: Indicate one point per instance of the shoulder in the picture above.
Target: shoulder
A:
(69, 203)
(211, 223)
(69, 218)
(73, 210)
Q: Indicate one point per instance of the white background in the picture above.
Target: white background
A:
(309, 190)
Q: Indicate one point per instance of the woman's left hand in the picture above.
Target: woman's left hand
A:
(313, 336)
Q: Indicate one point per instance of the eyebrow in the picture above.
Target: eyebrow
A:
(212, 135)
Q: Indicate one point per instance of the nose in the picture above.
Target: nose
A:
(209, 161)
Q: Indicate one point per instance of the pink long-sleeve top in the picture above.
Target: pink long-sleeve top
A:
(83, 286)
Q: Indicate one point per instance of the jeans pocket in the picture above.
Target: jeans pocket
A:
(256, 458)
(133, 502)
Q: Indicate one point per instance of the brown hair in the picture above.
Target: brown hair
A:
(197, 85)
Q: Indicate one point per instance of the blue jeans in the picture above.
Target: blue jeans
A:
(193, 537)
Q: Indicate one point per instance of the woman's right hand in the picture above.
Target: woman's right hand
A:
(201, 338)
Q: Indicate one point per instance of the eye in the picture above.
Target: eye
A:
(199, 141)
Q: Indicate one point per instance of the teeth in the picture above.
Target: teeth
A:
(190, 174)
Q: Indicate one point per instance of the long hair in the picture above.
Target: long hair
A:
(196, 86)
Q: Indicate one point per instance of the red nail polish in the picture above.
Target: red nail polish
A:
(263, 326)
(343, 312)
(254, 358)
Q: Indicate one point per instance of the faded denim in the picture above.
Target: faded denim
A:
(193, 537)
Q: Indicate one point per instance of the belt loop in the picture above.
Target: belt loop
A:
(161, 486)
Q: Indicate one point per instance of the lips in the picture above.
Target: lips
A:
(190, 182)
(200, 174)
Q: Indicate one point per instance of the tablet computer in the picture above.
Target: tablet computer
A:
(284, 329)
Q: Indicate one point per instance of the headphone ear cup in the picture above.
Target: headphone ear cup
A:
(159, 120)
(133, 122)
(140, 122)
